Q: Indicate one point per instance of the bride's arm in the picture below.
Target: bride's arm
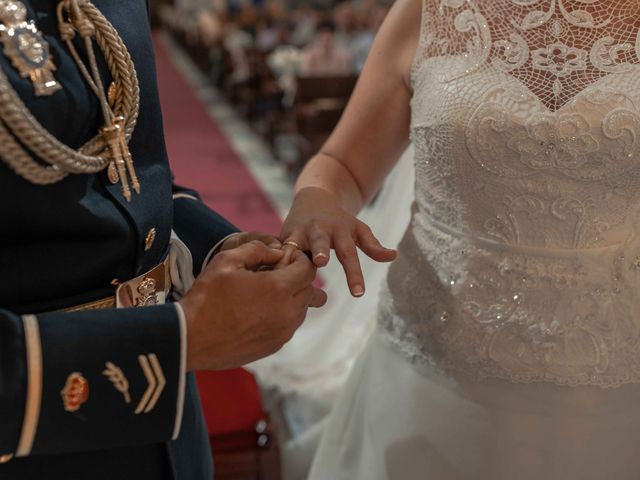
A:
(374, 130)
(369, 139)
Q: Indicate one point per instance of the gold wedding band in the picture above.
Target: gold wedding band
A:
(293, 244)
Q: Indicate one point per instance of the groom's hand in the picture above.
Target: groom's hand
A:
(237, 312)
(240, 238)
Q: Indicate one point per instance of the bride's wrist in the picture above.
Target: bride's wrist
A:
(318, 193)
(314, 190)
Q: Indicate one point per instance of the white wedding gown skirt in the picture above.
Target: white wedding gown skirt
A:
(395, 421)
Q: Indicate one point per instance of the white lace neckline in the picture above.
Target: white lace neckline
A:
(556, 48)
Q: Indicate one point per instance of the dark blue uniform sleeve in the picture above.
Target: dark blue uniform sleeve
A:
(199, 227)
(72, 382)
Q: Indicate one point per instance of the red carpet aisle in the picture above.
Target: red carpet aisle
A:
(312, 368)
(203, 159)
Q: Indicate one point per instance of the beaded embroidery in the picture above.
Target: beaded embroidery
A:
(522, 261)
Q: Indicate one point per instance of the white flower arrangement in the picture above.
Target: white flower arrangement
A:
(284, 60)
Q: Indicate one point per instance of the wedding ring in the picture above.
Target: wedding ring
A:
(293, 244)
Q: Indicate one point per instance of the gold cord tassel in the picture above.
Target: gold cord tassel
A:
(126, 153)
(114, 132)
(114, 138)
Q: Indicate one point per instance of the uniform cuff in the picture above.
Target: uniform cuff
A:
(198, 227)
(103, 379)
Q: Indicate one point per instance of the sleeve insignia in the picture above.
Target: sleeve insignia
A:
(75, 392)
(118, 379)
(156, 380)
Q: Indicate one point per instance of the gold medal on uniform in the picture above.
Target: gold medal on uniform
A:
(26, 47)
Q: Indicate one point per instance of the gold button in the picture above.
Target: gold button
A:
(6, 458)
(148, 241)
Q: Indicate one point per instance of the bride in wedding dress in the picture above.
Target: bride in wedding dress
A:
(508, 338)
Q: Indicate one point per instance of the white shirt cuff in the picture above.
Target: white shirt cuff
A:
(176, 196)
(215, 248)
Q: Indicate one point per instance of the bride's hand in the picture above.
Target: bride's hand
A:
(318, 223)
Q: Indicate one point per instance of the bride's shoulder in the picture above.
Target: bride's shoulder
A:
(405, 18)
(399, 35)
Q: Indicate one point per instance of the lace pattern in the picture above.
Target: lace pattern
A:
(554, 47)
(522, 261)
(519, 314)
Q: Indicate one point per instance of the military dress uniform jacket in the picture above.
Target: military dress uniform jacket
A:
(62, 245)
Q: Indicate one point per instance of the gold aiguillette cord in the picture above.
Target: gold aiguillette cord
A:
(40, 158)
(114, 130)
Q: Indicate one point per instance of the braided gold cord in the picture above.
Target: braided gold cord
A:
(121, 67)
(21, 162)
(94, 156)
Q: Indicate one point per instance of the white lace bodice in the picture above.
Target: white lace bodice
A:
(522, 260)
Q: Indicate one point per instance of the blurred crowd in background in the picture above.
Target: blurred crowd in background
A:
(289, 67)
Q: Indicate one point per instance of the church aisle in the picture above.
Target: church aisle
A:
(202, 157)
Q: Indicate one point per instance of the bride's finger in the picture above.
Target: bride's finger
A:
(320, 244)
(347, 254)
(290, 245)
(371, 246)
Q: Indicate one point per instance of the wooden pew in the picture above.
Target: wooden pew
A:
(318, 106)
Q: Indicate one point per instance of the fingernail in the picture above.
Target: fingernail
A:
(276, 245)
(358, 291)
(320, 255)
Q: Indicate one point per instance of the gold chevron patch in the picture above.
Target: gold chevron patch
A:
(156, 380)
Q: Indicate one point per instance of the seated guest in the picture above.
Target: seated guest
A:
(343, 14)
(267, 36)
(325, 56)
(237, 42)
(210, 28)
(361, 43)
(304, 20)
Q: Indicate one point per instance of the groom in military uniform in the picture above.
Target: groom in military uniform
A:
(96, 244)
